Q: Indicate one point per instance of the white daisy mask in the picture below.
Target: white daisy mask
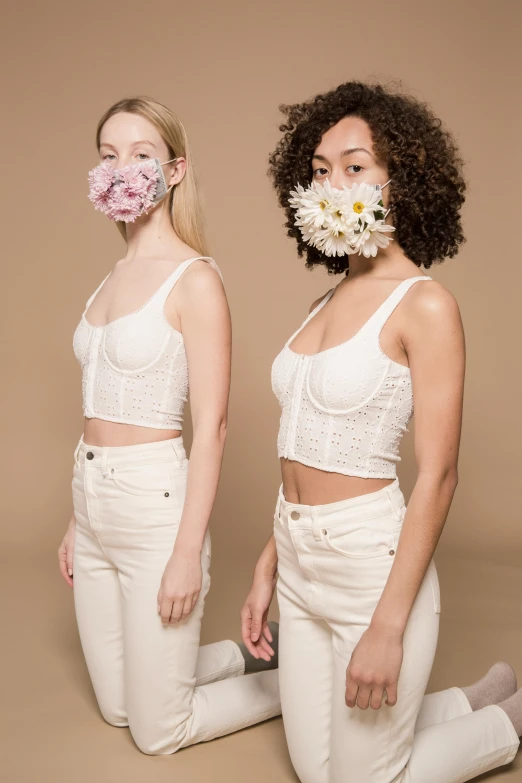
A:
(342, 222)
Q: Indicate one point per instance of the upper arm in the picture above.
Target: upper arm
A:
(434, 343)
(204, 315)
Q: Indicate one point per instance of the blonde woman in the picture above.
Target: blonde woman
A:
(137, 549)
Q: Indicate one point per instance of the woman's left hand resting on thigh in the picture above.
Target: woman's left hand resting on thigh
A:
(198, 308)
(180, 586)
(431, 335)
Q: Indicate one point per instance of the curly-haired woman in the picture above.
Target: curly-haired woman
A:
(358, 588)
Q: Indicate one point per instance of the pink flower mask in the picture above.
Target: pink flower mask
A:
(125, 194)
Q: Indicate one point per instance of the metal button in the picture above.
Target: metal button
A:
(324, 531)
(295, 515)
(167, 494)
(89, 455)
(392, 551)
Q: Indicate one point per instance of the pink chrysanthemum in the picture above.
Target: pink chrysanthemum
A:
(124, 194)
(101, 179)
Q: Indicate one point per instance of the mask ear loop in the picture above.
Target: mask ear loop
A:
(381, 187)
(164, 164)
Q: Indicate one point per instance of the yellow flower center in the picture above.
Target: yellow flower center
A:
(358, 207)
(323, 205)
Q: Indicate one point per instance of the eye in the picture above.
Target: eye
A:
(320, 172)
(355, 166)
(109, 156)
(142, 156)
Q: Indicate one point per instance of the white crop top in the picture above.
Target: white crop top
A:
(134, 369)
(345, 409)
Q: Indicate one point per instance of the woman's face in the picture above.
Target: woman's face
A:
(345, 156)
(129, 138)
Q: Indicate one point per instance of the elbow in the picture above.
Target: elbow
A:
(222, 430)
(445, 478)
(452, 478)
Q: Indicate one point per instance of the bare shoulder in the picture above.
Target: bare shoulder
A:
(318, 301)
(200, 279)
(430, 304)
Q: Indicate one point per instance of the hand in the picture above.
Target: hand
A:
(180, 586)
(375, 666)
(254, 618)
(65, 552)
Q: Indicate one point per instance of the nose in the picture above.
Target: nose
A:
(337, 179)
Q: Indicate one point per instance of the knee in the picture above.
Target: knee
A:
(113, 719)
(155, 742)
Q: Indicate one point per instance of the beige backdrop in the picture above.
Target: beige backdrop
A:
(224, 68)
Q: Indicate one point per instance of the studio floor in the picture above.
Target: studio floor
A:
(52, 731)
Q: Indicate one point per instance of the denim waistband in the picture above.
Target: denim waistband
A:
(386, 501)
(168, 450)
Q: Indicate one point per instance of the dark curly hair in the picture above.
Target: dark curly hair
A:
(427, 186)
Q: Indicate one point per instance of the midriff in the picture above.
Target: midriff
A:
(314, 487)
(98, 432)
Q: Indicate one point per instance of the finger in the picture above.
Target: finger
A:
(376, 697)
(69, 562)
(63, 568)
(256, 625)
(63, 571)
(265, 649)
(246, 633)
(363, 697)
(177, 610)
(165, 609)
(350, 696)
(267, 633)
(391, 694)
(187, 607)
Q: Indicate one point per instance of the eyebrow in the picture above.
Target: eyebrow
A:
(344, 153)
(135, 144)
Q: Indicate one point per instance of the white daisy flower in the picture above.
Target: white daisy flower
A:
(341, 222)
(372, 238)
(361, 202)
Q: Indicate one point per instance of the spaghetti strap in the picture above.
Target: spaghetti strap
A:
(382, 314)
(321, 304)
(90, 299)
(171, 281)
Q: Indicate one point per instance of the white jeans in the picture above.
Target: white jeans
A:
(156, 679)
(334, 561)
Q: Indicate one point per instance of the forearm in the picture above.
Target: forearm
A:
(423, 523)
(266, 566)
(206, 456)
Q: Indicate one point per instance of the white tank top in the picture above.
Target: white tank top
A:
(134, 369)
(345, 409)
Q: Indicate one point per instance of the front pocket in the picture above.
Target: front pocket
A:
(151, 480)
(361, 542)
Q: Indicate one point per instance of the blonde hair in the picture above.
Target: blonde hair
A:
(186, 214)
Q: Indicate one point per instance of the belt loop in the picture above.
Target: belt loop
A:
(316, 522)
(394, 504)
(77, 451)
(177, 451)
(278, 509)
(104, 468)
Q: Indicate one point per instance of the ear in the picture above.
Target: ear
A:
(179, 167)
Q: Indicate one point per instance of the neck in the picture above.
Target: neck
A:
(152, 235)
(390, 262)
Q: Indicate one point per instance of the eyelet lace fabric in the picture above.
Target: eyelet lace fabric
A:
(345, 409)
(134, 369)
